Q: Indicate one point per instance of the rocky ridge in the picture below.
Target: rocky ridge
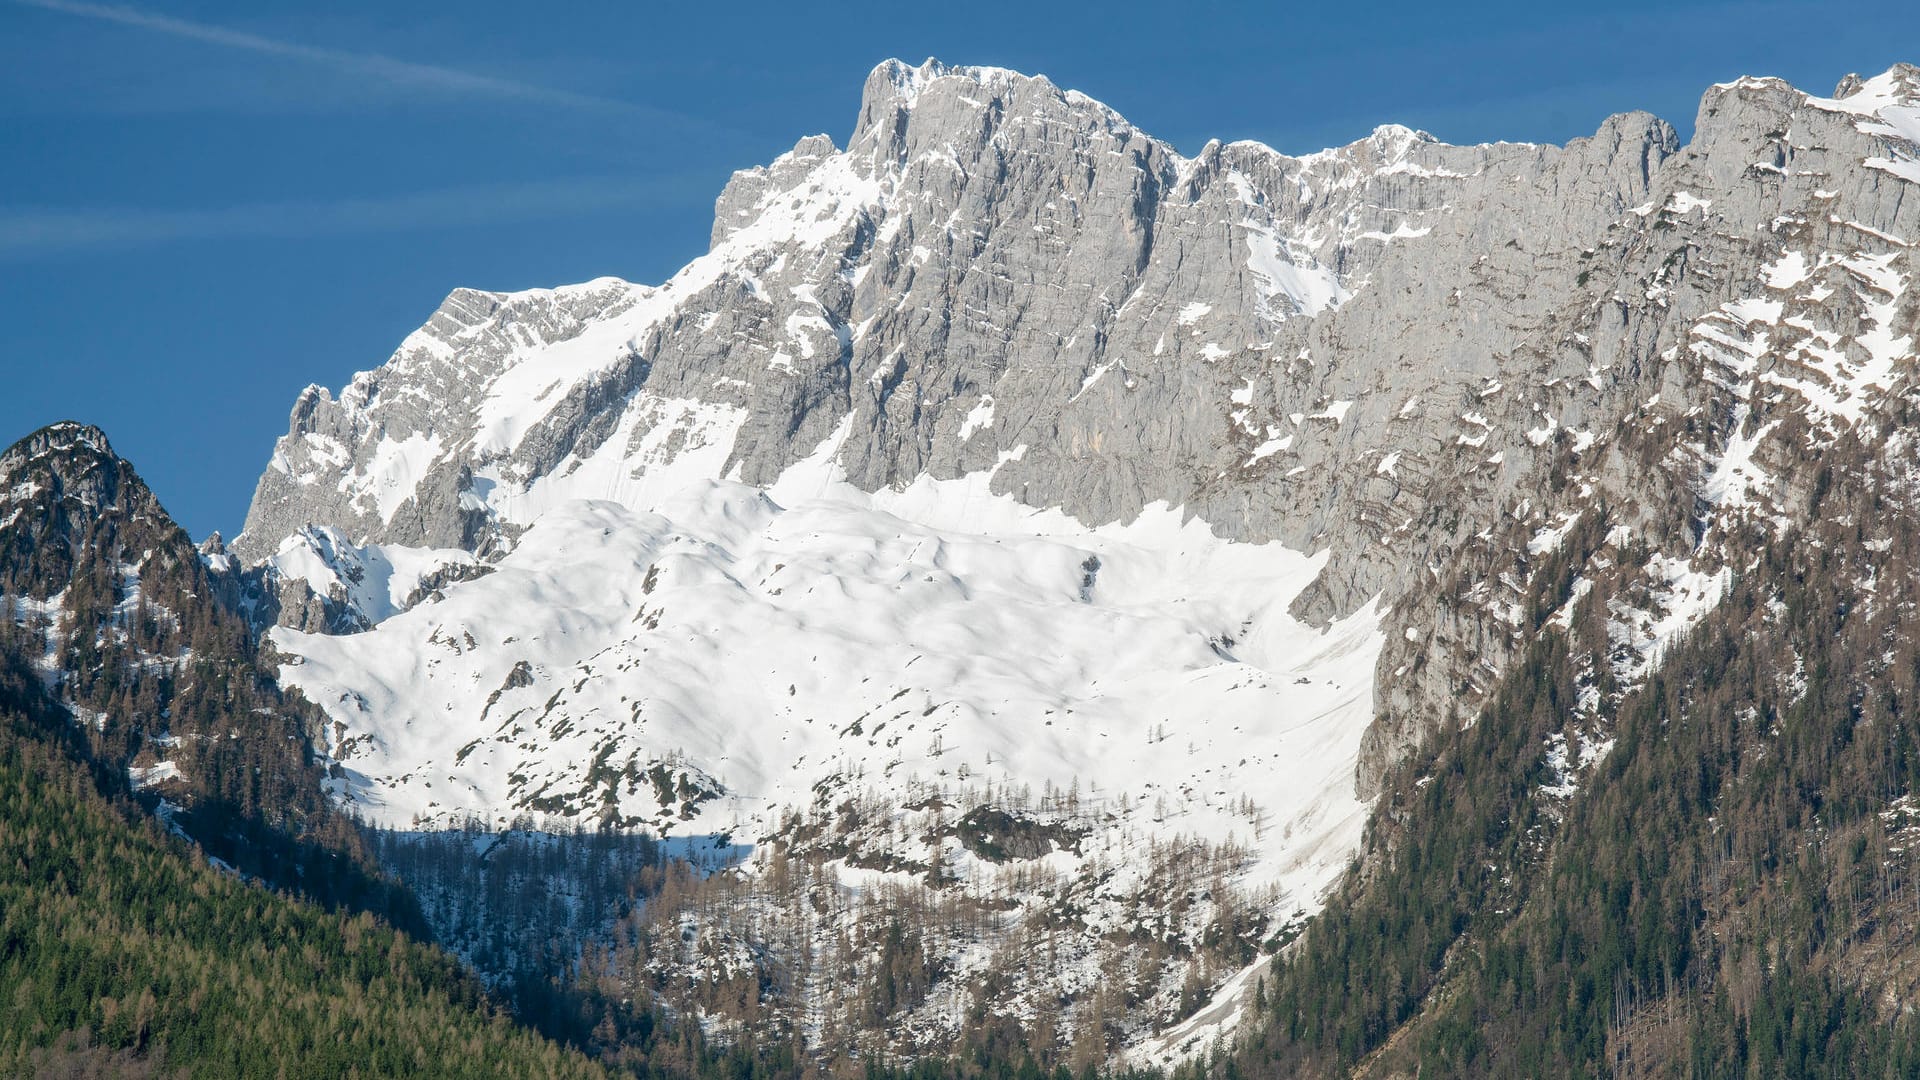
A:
(122, 641)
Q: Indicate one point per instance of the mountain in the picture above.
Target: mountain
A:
(167, 856)
(125, 643)
(1042, 551)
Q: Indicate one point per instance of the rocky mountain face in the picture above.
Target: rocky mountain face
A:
(1012, 514)
(107, 599)
(123, 643)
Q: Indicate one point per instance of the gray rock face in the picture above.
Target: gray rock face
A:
(1399, 352)
(1681, 377)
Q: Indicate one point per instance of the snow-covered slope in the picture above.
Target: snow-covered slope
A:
(734, 654)
(321, 580)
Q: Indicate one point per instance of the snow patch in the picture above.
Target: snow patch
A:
(978, 418)
(1310, 289)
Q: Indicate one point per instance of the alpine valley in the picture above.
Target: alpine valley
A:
(1026, 600)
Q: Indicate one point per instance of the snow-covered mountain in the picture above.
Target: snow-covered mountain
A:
(1060, 497)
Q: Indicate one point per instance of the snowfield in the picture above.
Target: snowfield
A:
(751, 647)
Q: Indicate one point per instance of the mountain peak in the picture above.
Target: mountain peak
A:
(951, 93)
(1899, 84)
(896, 80)
(59, 435)
(1400, 136)
(62, 453)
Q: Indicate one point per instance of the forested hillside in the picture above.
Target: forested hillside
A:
(123, 952)
(1731, 891)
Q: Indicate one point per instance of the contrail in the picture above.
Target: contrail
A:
(31, 232)
(387, 68)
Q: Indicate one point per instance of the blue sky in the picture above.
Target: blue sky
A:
(205, 207)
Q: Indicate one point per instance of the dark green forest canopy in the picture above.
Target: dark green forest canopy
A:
(116, 939)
